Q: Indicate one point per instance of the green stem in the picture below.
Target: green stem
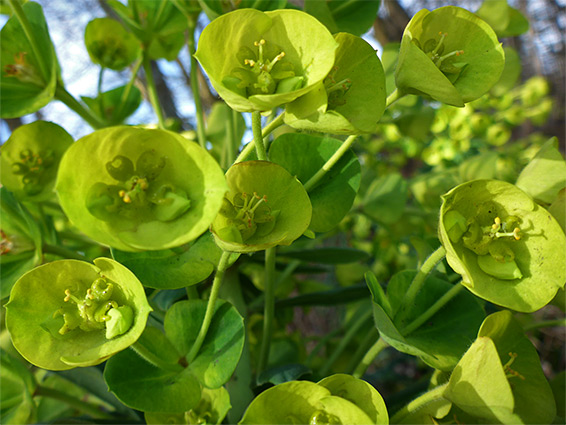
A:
(419, 280)
(152, 90)
(350, 334)
(418, 403)
(278, 121)
(258, 136)
(324, 340)
(99, 91)
(63, 252)
(194, 84)
(268, 309)
(192, 293)
(544, 324)
(128, 88)
(230, 141)
(366, 343)
(216, 283)
(28, 31)
(330, 163)
(83, 406)
(65, 97)
(432, 310)
(393, 97)
(370, 356)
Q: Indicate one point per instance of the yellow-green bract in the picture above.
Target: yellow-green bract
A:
(508, 250)
(138, 189)
(257, 61)
(41, 299)
(449, 55)
(266, 206)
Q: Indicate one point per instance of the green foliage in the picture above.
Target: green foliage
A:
(109, 44)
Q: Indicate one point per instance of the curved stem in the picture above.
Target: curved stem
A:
(194, 83)
(28, 31)
(393, 97)
(278, 121)
(369, 357)
(419, 403)
(65, 97)
(351, 332)
(91, 409)
(330, 163)
(152, 91)
(258, 136)
(432, 310)
(268, 309)
(216, 283)
(419, 280)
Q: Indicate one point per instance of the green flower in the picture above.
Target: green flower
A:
(351, 98)
(140, 189)
(508, 250)
(265, 206)
(257, 61)
(109, 44)
(30, 158)
(449, 55)
(71, 313)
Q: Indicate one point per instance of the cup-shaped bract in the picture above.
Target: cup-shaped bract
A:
(351, 98)
(257, 61)
(140, 189)
(71, 313)
(449, 55)
(109, 44)
(30, 158)
(508, 249)
(265, 206)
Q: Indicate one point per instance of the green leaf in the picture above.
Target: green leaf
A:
(385, 199)
(177, 188)
(303, 155)
(109, 108)
(212, 408)
(281, 374)
(538, 254)
(32, 319)
(442, 340)
(30, 159)
(505, 20)
(308, 46)
(328, 255)
(511, 73)
(222, 346)
(543, 177)
(24, 88)
(360, 393)
(351, 99)
(109, 44)
(266, 206)
(353, 16)
(18, 386)
(473, 72)
(142, 386)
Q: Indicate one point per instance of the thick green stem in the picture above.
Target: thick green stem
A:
(83, 406)
(432, 310)
(28, 31)
(216, 283)
(258, 136)
(63, 252)
(65, 97)
(278, 121)
(544, 324)
(392, 98)
(194, 83)
(352, 331)
(268, 309)
(152, 90)
(418, 403)
(330, 163)
(369, 357)
(419, 280)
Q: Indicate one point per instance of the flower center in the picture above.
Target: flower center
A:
(32, 167)
(448, 62)
(95, 310)
(510, 373)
